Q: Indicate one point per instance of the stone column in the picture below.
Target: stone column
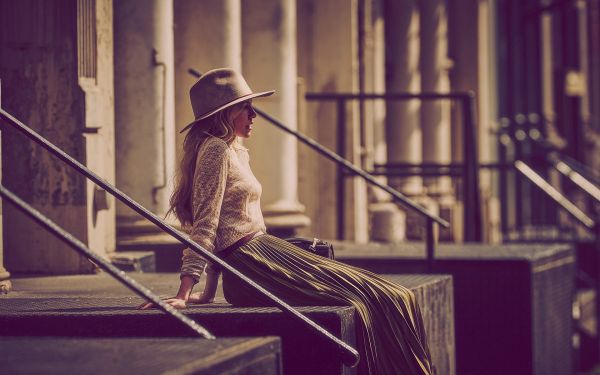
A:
(435, 114)
(56, 68)
(213, 43)
(144, 108)
(269, 62)
(329, 63)
(387, 220)
(403, 131)
(403, 122)
(471, 28)
(5, 284)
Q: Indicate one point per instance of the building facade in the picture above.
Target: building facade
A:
(108, 82)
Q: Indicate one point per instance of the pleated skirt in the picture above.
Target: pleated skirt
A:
(391, 338)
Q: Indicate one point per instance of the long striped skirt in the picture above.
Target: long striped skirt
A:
(391, 338)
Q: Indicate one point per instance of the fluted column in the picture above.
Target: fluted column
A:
(144, 107)
(403, 131)
(213, 43)
(269, 62)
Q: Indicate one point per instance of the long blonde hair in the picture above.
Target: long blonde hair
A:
(219, 125)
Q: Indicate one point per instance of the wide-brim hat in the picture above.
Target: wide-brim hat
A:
(218, 89)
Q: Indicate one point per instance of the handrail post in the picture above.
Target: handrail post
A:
(471, 199)
(430, 239)
(341, 180)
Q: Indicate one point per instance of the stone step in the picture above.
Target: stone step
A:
(166, 249)
(134, 261)
(304, 351)
(60, 355)
(95, 306)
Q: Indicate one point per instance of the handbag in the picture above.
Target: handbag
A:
(313, 245)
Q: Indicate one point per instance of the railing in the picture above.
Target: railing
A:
(121, 276)
(430, 219)
(575, 212)
(550, 191)
(349, 356)
(567, 170)
(524, 140)
(468, 170)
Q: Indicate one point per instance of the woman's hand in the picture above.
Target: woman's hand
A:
(200, 298)
(180, 300)
(178, 303)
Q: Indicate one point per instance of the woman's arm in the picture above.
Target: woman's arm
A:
(210, 289)
(212, 167)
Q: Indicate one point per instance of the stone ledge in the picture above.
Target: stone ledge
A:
(304, 352)
(97, 306)
(35, 355)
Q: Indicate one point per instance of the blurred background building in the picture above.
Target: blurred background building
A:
(437, 98)
(108, 82)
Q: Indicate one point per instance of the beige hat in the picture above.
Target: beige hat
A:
(218, 89)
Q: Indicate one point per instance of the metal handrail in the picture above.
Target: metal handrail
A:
(577, 178)
(121, 276)
(591, 175)
(430, 218)
(566, 204)
(472, 206)
(349, 355)
(401, 198)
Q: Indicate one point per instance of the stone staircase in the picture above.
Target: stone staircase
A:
(96, 307)
(513, 302)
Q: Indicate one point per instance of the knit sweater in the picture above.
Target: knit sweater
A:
(225, 201)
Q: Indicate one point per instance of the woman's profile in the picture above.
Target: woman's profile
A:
(218, 198)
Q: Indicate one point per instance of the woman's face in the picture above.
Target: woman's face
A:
(242, 122)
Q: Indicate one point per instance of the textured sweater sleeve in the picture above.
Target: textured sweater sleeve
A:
(210, 178)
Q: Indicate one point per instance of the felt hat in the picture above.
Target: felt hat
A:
(218, 89)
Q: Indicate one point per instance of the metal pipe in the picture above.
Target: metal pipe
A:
(349, 355)
(80, 247)
(472, 202)
(430, 243)
(341, 187)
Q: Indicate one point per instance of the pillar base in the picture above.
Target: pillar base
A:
(388, 223)
(283, 219)
(286, 225)
(5, 284)
(140, 228)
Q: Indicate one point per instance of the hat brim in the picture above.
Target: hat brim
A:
(226, 105)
